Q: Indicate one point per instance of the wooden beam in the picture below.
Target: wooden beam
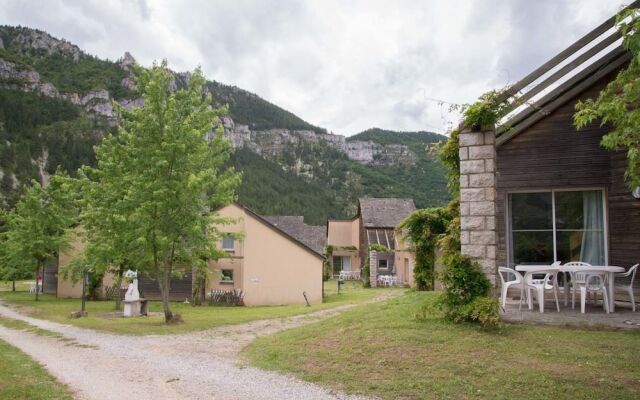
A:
(563, 98)
(563, 55)
(609, 40)
(541, 103)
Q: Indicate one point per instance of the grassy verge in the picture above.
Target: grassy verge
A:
(196, 318)
(21, 286)
(380, 350)
(23, 378)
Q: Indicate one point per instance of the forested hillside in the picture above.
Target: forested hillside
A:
(56, 104)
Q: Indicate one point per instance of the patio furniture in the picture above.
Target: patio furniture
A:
(610, 270)
(540, 286)
(38, 286)
(505, 278)
(570, 285)
(590, 282)
(628, 288)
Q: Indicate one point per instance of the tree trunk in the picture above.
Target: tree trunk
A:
(37, 278)
(118, 291)
(13, 286)
(119, 285)
(164, 292)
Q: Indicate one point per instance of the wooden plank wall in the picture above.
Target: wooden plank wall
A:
(552, 155)
(180, 288)
(50, 279)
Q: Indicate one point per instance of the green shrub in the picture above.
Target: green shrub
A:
(467, 292)
(486, 311)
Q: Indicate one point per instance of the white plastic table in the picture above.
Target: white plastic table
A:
(609, 269)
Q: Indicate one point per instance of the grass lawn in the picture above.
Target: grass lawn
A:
(23, 378)
(381, 350)
(196, 318)
(21, 286)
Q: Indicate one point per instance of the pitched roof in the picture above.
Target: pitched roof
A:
(311, 235)
(384, 212)
(281, 231)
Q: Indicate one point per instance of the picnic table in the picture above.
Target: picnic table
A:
(610, 270)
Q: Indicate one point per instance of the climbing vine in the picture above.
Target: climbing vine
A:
(488, 110)
(618, 103)
(424, 228)
(467, 291)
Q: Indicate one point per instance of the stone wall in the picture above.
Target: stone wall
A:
(373, 268)
(477, 199)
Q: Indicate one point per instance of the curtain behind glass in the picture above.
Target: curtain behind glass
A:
(346, 263)
(592, 249)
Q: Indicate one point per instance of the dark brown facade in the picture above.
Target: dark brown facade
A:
(552, 154)
(180, 288)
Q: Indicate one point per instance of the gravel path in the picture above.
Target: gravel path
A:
(198, 365)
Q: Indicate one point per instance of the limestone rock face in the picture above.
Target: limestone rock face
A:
(43, 42)
(10, 71)
(14, 76)
(273, 143)
(127, 61)
(131, 104)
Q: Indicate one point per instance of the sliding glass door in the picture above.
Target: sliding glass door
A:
(557, 225)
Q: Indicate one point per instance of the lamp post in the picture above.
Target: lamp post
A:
(85, 280)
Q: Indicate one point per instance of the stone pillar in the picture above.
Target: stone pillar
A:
(373, 268)
(478, 199)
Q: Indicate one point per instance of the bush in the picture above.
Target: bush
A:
(486, 311)
(467, 292)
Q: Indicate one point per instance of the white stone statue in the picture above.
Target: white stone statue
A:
(132, 291)
(132, 297)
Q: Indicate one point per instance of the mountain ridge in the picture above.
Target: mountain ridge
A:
(41, 75)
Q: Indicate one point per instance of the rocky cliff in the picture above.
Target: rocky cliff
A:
(56, 102)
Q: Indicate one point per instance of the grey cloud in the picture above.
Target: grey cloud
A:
(344, 65)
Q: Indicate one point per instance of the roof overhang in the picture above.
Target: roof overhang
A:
(563, 77)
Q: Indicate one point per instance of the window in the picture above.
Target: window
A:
(382, 264)
(341, 263)
(228, 243)
(557, 226)
(227, 276)
(346, 263)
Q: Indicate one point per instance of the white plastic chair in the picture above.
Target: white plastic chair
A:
(592, 282)
(571, 285)
(628, 287)
(548, 283)
(505, 278)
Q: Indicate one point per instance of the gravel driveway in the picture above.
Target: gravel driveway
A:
(199, 365)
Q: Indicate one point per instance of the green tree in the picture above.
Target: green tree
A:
(617, 104)
(166, 172)
(11, 268)
(424, 228)
(37, 228)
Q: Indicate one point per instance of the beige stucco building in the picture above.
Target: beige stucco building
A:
(270, 265)
(267, 263)
(374, 224)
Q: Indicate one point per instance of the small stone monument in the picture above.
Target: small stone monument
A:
(132, 300)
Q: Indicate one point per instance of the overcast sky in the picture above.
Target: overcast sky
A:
(343, 65)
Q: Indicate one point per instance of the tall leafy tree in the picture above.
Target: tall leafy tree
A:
(165, 178)
(37, 228)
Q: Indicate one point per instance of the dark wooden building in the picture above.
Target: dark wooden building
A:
(560, 196)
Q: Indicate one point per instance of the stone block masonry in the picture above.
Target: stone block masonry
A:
(373, 268)
(477, 199)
